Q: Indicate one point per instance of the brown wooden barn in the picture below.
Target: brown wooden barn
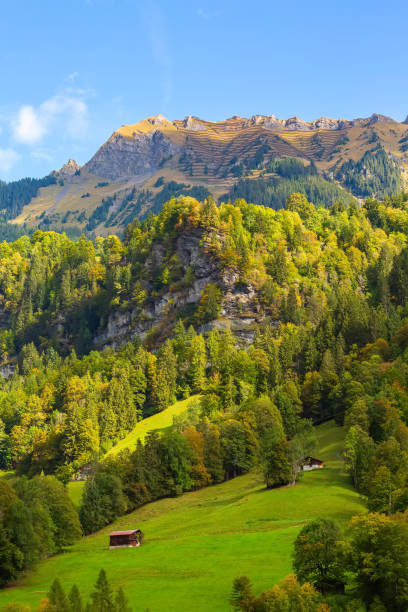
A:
(124, 539)
(311, 463)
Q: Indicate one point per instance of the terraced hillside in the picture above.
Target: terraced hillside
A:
(143, 164)
(198, 543)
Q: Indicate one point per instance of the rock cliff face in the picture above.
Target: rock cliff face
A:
(68, 169)
(139, 150)
(297, 124)
(239, 305)
(123, 157)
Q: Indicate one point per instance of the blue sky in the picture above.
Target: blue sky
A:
(73, 71)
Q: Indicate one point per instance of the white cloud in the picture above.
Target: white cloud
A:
(29, 127)
(70, 108)
(8, 157)
(66, 112)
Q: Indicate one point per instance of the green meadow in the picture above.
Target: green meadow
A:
(158, 422)
(195, 545)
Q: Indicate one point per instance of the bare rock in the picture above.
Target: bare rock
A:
(122, 157)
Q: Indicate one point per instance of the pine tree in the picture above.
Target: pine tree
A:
(58, 597)
(197, 361)
(121, 401)
(102, 596)
(167, 372)
(108, 422)
(138, 384)
(122, 604)
(275, 370)
(209, 212)
(180, 346)
(292, 311)
(210, 304)
(241, 597)
(102, 501)
(75, 600)
(276, 466)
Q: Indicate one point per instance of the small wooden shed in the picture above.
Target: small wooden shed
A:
(125, 539)
(311, 463)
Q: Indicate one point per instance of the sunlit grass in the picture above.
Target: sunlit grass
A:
(197, 543)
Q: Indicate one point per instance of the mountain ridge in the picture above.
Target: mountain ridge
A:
(141, 165)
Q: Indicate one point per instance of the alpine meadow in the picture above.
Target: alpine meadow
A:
(203, 321)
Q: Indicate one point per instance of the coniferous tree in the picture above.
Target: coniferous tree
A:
(102, 598)
(102, 501)
(197, 362)
(122, 604)
(58, 598)
(241, 597)
(75, 600)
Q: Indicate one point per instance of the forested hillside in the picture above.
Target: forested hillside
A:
(278, 320)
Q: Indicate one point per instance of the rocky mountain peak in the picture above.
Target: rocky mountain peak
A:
(376, 118)
(192, 123)
(296, 123)
(373, 119)
(158, 120)
(68, 169)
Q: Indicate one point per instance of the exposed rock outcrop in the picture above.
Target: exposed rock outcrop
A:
(122, 157)
(239, 306)
(68, 169)
(193, 123)
(373, 119)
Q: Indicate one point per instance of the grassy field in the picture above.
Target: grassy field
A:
(75, 491)
(157, 422)
(198, 543)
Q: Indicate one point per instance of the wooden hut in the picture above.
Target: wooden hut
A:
(125, 539)
(311, 463)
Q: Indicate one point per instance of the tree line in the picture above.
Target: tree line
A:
(37, 519)
(204, 447)
(102, 599)
(16, 194)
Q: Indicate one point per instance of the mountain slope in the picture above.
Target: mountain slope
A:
(198, 543)
(143, 164)
(156, 422)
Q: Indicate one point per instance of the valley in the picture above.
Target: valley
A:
(203, 307)
(197, 544)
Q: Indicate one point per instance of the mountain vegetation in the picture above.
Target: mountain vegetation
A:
(195, 541)
(261, 159)
(15, 195)
(325, 289)
(375, 174)
(102, 599)
(289, 176)
(364, 570)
